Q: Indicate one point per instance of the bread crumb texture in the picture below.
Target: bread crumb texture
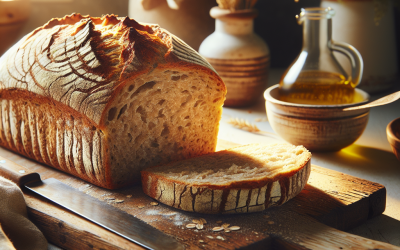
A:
(102, 98)
(167, 116)
(237, 164)
(243, 179)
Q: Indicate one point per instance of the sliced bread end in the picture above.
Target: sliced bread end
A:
(243, 179)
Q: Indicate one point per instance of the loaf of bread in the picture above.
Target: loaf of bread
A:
(103, 98)
(240, 180)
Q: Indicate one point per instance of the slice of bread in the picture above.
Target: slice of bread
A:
(243, 179)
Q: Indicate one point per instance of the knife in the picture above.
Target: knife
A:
(100, 213)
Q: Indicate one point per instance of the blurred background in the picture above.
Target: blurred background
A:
(276, 22)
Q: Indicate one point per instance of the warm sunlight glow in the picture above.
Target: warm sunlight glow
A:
(351, 153)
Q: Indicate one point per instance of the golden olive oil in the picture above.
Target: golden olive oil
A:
(319, 88)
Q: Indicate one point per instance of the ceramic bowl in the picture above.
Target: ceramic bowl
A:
(316, 127)
(393, 135)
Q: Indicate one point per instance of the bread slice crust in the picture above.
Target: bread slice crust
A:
(237, 196)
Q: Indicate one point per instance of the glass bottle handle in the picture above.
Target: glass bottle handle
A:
(357, 64)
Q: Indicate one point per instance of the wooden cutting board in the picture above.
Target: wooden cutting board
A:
(331, 202)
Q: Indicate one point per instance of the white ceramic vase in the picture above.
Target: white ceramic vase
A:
(356, 23)
(239, 55)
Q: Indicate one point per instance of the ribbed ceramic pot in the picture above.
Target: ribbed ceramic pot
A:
(239, 55)
(316, 127)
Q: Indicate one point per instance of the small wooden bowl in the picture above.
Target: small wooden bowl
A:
(316, 127)
(393, 135)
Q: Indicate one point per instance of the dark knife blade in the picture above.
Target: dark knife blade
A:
(103, 214)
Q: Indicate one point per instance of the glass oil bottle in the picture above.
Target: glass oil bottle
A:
(316, 77)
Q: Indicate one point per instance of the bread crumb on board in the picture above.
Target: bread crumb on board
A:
(217, 229)
(225, 227)
(197, 223)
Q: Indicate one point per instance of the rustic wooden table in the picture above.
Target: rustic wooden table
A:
(370, 157)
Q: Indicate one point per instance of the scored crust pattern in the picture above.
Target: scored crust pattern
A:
(70, 68)
(78, 65)
(83, 63)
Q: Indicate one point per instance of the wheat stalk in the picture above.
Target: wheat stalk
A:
(236, 4)
(243, 124)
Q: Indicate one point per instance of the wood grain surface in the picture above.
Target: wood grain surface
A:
(330, 202)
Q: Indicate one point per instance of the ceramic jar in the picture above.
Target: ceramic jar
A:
(369, 28)
(239, 55)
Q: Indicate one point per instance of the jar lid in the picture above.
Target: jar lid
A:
(218, 13)
(315, 13)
